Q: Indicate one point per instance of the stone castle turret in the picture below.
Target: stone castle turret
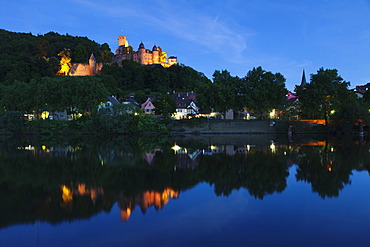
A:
(92, 64)
(143, 56)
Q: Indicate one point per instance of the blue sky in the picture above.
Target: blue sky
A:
(283, 36)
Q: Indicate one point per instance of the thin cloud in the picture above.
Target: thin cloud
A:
(187, 23)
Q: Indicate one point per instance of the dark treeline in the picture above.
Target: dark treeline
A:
(151, 80)
(25, 56)
(28, 65)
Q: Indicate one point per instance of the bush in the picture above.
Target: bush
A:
(12, 122)
(47, 126)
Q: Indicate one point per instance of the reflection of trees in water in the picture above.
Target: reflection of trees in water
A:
(259, 172)
(30, 180)
(328, 168)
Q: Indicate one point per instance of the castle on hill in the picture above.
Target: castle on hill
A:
(125, 52)
(143, 56)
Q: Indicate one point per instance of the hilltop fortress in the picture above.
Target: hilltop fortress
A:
(125, 52)
(143, 56)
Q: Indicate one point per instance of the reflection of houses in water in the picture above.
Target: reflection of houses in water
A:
(230, 149)
(144, 200)
(150, 156)
(188, 159)
(45, 151)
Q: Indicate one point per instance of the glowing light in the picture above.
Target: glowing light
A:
(125, 214)
(45, 115)
(65, 61)
(31, 148)
(213, 147)
(272, 113)
(176, 148)
(273, 147)
(165, 197)
(66, 194)
(332, 112)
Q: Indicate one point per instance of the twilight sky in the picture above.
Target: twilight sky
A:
(283, 36)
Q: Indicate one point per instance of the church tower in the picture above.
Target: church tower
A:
(303, 81)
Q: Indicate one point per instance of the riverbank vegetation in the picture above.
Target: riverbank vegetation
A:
(29, 85)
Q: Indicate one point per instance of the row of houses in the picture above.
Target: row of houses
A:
(185, 104)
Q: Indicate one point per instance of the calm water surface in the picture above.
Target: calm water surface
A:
(185, 191)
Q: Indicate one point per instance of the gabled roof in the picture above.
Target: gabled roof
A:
(131, 100)
(113, 99)
(148, 100)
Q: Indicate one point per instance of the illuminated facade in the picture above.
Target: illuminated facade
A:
(124, 52)
(185, 105)
(84, 69)
(143, 56)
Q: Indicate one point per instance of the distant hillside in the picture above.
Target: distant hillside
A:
(25, 56)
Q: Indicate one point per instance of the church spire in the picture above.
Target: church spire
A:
(303, 81)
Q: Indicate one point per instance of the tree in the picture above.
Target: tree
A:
(157, 79)
(351, 113)
(326, 93)
(221, 95)
(263, 91)
(106, 54)
(80, 54)
(165, 105)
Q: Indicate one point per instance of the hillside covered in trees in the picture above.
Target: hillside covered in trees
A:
(25, 56)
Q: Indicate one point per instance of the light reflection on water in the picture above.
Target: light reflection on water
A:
(301, 214)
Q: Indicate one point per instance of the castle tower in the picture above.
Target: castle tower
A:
(122, 41)
(141, 54)
(92, 65)
(155, 52)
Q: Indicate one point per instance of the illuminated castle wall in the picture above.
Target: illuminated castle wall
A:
(125, 52)
(143, 56)
(84, 69)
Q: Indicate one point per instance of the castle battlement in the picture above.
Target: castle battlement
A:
(143, 56)
(125, 52)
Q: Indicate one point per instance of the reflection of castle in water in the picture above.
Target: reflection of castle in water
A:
(144, 200)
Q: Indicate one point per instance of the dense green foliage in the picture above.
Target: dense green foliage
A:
(145, 81)
(327, 92)
(259, 91)
(263, 90)
(74, 94)
(327, 97)
(25, 56)
(28, 84)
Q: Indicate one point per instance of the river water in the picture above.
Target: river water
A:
(246, 190)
